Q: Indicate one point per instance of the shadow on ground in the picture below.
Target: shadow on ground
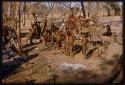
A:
(78, 48)
(27, 45)
(10, 67)
(47, 47)
(29, 49)
(30, 82)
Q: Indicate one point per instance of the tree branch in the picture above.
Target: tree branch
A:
(52, 5)
(66, 5)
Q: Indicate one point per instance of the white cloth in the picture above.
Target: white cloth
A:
(70, 67)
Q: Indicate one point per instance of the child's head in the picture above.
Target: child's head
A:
(108, 26)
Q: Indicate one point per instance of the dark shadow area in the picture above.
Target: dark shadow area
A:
(94, 43)
(10, 67)
(24, 34)
(49, 81)
(116, 71)
(27, 45)
(77, 49)
(91, 51)
(46, 48)
(30, 82)
(108, 62)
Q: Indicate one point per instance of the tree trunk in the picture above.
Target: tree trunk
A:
(117, 11)
(16, 14)
(19, 30)
(24, 12)
(89, 3)
(83, 10)
(108, 12)
(102, 11)
(71, 10)
(108, 9)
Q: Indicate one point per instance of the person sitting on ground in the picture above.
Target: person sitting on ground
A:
(108, 33)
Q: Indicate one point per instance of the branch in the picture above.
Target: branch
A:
(49, 5)
(70, 5)
(67, 5)
(52, 5)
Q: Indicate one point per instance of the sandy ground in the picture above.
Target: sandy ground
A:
(50, 66)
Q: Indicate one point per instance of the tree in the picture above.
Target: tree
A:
(83, 9)
(69, 6)
(6, 7)
(107, 7)
(89, 6)
(12, 19)
(112, 6)
(76, 9)
(51, 6)
(19, 28)
(99, 7)
(102, 10)
(24, 10)
(115, 6)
